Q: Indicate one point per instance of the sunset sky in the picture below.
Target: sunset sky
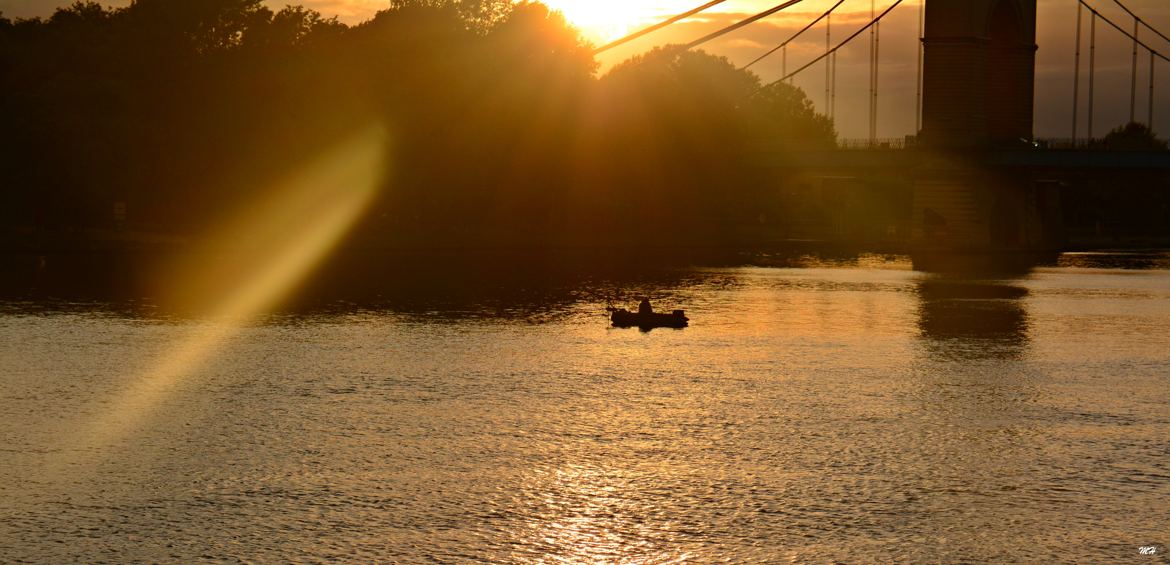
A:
(602, 20)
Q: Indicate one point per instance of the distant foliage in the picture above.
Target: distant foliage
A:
(503, 130)
(1133, 137)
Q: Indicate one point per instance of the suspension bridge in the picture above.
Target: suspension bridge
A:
(981, 182)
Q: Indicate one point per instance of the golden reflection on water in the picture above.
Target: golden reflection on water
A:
(587, 518)
(272, 245)
(1032, 431)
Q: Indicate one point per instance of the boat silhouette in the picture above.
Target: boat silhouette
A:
(623, 318)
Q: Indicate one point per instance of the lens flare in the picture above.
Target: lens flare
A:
(272, 246)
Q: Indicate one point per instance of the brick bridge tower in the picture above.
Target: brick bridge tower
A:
(979, 72)
(978, 83)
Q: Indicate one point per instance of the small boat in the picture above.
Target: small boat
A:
(623, 318)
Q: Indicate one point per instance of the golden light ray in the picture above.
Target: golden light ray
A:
(275, 245)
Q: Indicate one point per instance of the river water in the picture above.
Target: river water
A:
(827, 411)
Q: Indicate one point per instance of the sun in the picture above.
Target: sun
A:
(605, 20)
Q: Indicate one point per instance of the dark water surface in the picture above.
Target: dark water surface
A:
(851, 411)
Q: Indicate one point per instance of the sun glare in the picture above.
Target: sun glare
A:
(606, 20)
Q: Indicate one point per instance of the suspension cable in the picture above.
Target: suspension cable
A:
(656, 27)
(877, 69)
(918, 94)
(1133, 71)
(1154, 53)
(784, 65)
(784, 45)
(1140, 20)
(833, 99)
(1137, 23)
(1092, 68)
(838, 46)
(1150, 120)
(1102, 17)
(828, 65)
(872, 72)
(1077, 76)
(740, 24)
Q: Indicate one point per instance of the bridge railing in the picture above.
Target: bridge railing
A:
(1067, 143)
(1094, 144)
(878, 143)
(910, 141)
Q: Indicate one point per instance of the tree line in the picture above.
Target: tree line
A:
(504, 129)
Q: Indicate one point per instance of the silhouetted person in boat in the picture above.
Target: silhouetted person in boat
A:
(644, 307)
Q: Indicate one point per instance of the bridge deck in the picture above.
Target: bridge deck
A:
(854, 160)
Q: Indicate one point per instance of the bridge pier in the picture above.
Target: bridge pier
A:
(983, 218)
(979, 70)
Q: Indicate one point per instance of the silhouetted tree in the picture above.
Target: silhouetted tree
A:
(1133, 137)
(204, 26)
(784, 116)
(503, 133)
(681, 127)
(293, 26)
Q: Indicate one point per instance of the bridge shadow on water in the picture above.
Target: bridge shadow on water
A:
(963, 318)
(981, 313)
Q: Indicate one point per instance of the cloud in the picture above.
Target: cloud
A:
(41, 8)
(746, 44)
(348, 11)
